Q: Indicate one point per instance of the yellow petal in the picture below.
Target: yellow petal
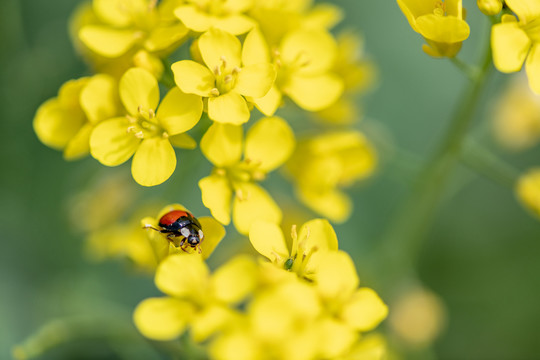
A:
(235, 24)
(313, 51)
(193, 78)
(222, 144)
(183, 141)
(179, 112)
(154, 162)
(210, 320)
(253, 203)
(118, 12)
(532, 68)
(139, 91)
(255, 50)
(162, 318)
(510, 46)
(336, 338)
(163, 37)
(193, 18)
(336, 277)
(269, 143)
(416, 8)
(183, 276)
(365, 310)
(267, 238)
(314, 93)
(217, 46)
(107, 41)
(323, 16)
(526, 10)
(332, 204)
(99, 98)
(229, 108)
(235, 280)
(55, 126)
(269, 103)
(213, 232)
(319, 234)
(217, 196)
(447, 29)
(79, 145)
(255, 80)
(235, 346)
(111, 144)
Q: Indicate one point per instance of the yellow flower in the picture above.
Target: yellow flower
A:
(213, 233)
(490, 7)
(528, 190)
(66, 121)
(231, 73)
(300, 256)
(515, 42)
(322, 164)
(143, 131)
(517, 116)
(227, 15)
(130, 32)
(196, 299)
(268, 144)
(441, 23)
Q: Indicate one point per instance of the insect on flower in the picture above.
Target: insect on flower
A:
(179, 223)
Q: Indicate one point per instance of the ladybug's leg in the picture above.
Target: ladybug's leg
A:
(182, 245)
(198, 247)
(148, 226)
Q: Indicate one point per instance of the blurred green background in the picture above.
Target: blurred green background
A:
(481, 255)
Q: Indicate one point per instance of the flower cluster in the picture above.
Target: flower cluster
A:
(305, 303)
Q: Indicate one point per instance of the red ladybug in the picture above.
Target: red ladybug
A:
(178, 223)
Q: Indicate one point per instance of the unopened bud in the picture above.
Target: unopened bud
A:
(490, 7)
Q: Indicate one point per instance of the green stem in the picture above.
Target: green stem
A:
(471, 72)
(404, 237)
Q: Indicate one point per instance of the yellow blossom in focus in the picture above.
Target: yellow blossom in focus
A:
(144, 133)
(238, 168)
(517, 116)
(490, 7)
(323, 164)
(299, 255)
(441, 23)
(197, 300)
(118, 34)
(227, 15)
(418, 317)
(66, 121)
(528, 190)
(358, 75)
(515, 41)
(162, 247)
(229, 74)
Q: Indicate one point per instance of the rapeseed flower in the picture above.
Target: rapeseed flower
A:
(66, 121)
(515, 41)
(213, 233)
(238, 168)
(528, 190)
(118, 34)
(227, 15)
(229, 74)
(145, 133)
(324, 163)
(197, 300)
(441, 23)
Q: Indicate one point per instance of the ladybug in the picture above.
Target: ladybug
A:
(178, 223)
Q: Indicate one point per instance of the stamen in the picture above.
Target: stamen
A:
(227, 79)
(131, 119)
(294, 234)
(214, 92)
(223, 61)
(130, 129)
(236, 70)
(221, 172)
(217, 71)
(165, 135)
(139, 135)
(151, 114)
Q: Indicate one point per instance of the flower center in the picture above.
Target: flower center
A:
(145, 125)
(225, 78)
(440, 8)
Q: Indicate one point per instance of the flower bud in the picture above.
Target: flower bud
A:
(528, 190)
(490, 7)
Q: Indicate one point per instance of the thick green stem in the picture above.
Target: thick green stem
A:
(403, 238)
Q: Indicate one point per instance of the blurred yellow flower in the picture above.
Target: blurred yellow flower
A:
(145, 133)
(227, 15)
(441, 23)
(324, 163)
(118, 34)
(517, 116)
(490, 7)
(230, 74)
(162, 247)
(66, 121)
(268, 144)
(196, 299)
(515, 42)
(528, 190)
